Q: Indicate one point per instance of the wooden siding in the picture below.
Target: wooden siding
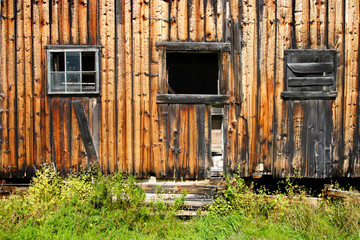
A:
(133, 133)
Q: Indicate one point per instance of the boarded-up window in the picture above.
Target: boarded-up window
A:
(73, 70)
(310, 74)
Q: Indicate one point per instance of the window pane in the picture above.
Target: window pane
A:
(73, 83)
(88, 61)
(58, 82)
(88, 82)
(57, 61)
(72, 61)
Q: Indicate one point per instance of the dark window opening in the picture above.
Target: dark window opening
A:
(192, 73)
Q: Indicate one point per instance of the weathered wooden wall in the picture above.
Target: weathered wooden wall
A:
(316, 138)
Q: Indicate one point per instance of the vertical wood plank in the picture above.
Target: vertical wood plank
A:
(210, 20)
(20, 86)
(4, 86)
(11, 94)
(283, 41)
(221, 20)
(28, 86)
(64, 22)
(159, 21)
(350, 84)
(191, 165)
(128, 86)
(145, 93)
(83, 21)
(93, 22)
(137, 114)
(336, 41)
(207, 139)
(75, 18)
(249, 81)
(75, 133)
(196, 21)
(174, 124)
(183, 156)
(201, 150)
(266, 63)
(174, 21)
(121, 91)
(37, 80)
(45, 103)
(182, 20)
(302, 22)
(301, 132)
(110, 52)
(105, 148)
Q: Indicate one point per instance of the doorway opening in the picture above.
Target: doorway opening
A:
(217, 148)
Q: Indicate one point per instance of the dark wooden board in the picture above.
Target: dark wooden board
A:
(85, 131)
(308, 95)
(311, 67)
(192, 99)
(193, 46)
(310, 81)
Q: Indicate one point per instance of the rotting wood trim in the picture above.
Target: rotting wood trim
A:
(85, 131)
(193, 46)
(309, 51)
(318, 67)
(192, 99)
(287, 95)
(67, 47)
(310, 81)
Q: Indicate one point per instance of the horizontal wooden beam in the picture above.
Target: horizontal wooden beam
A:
(309, 52)
(310, 81)
(192, 99)
(72, 46)
(318, 67)
(193, 46)
(303, 95)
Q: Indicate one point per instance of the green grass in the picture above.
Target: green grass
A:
(95, 206)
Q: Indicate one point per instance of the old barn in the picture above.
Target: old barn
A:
(178, 88)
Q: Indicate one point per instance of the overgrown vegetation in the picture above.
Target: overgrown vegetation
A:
(91, 205)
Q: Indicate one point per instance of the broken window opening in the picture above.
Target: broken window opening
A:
(73, 70)
(192, 73)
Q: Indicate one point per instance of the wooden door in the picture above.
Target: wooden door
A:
(188, 134)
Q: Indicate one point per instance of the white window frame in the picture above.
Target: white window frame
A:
(73, 48)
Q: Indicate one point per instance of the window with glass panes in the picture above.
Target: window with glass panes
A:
(73, 71)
